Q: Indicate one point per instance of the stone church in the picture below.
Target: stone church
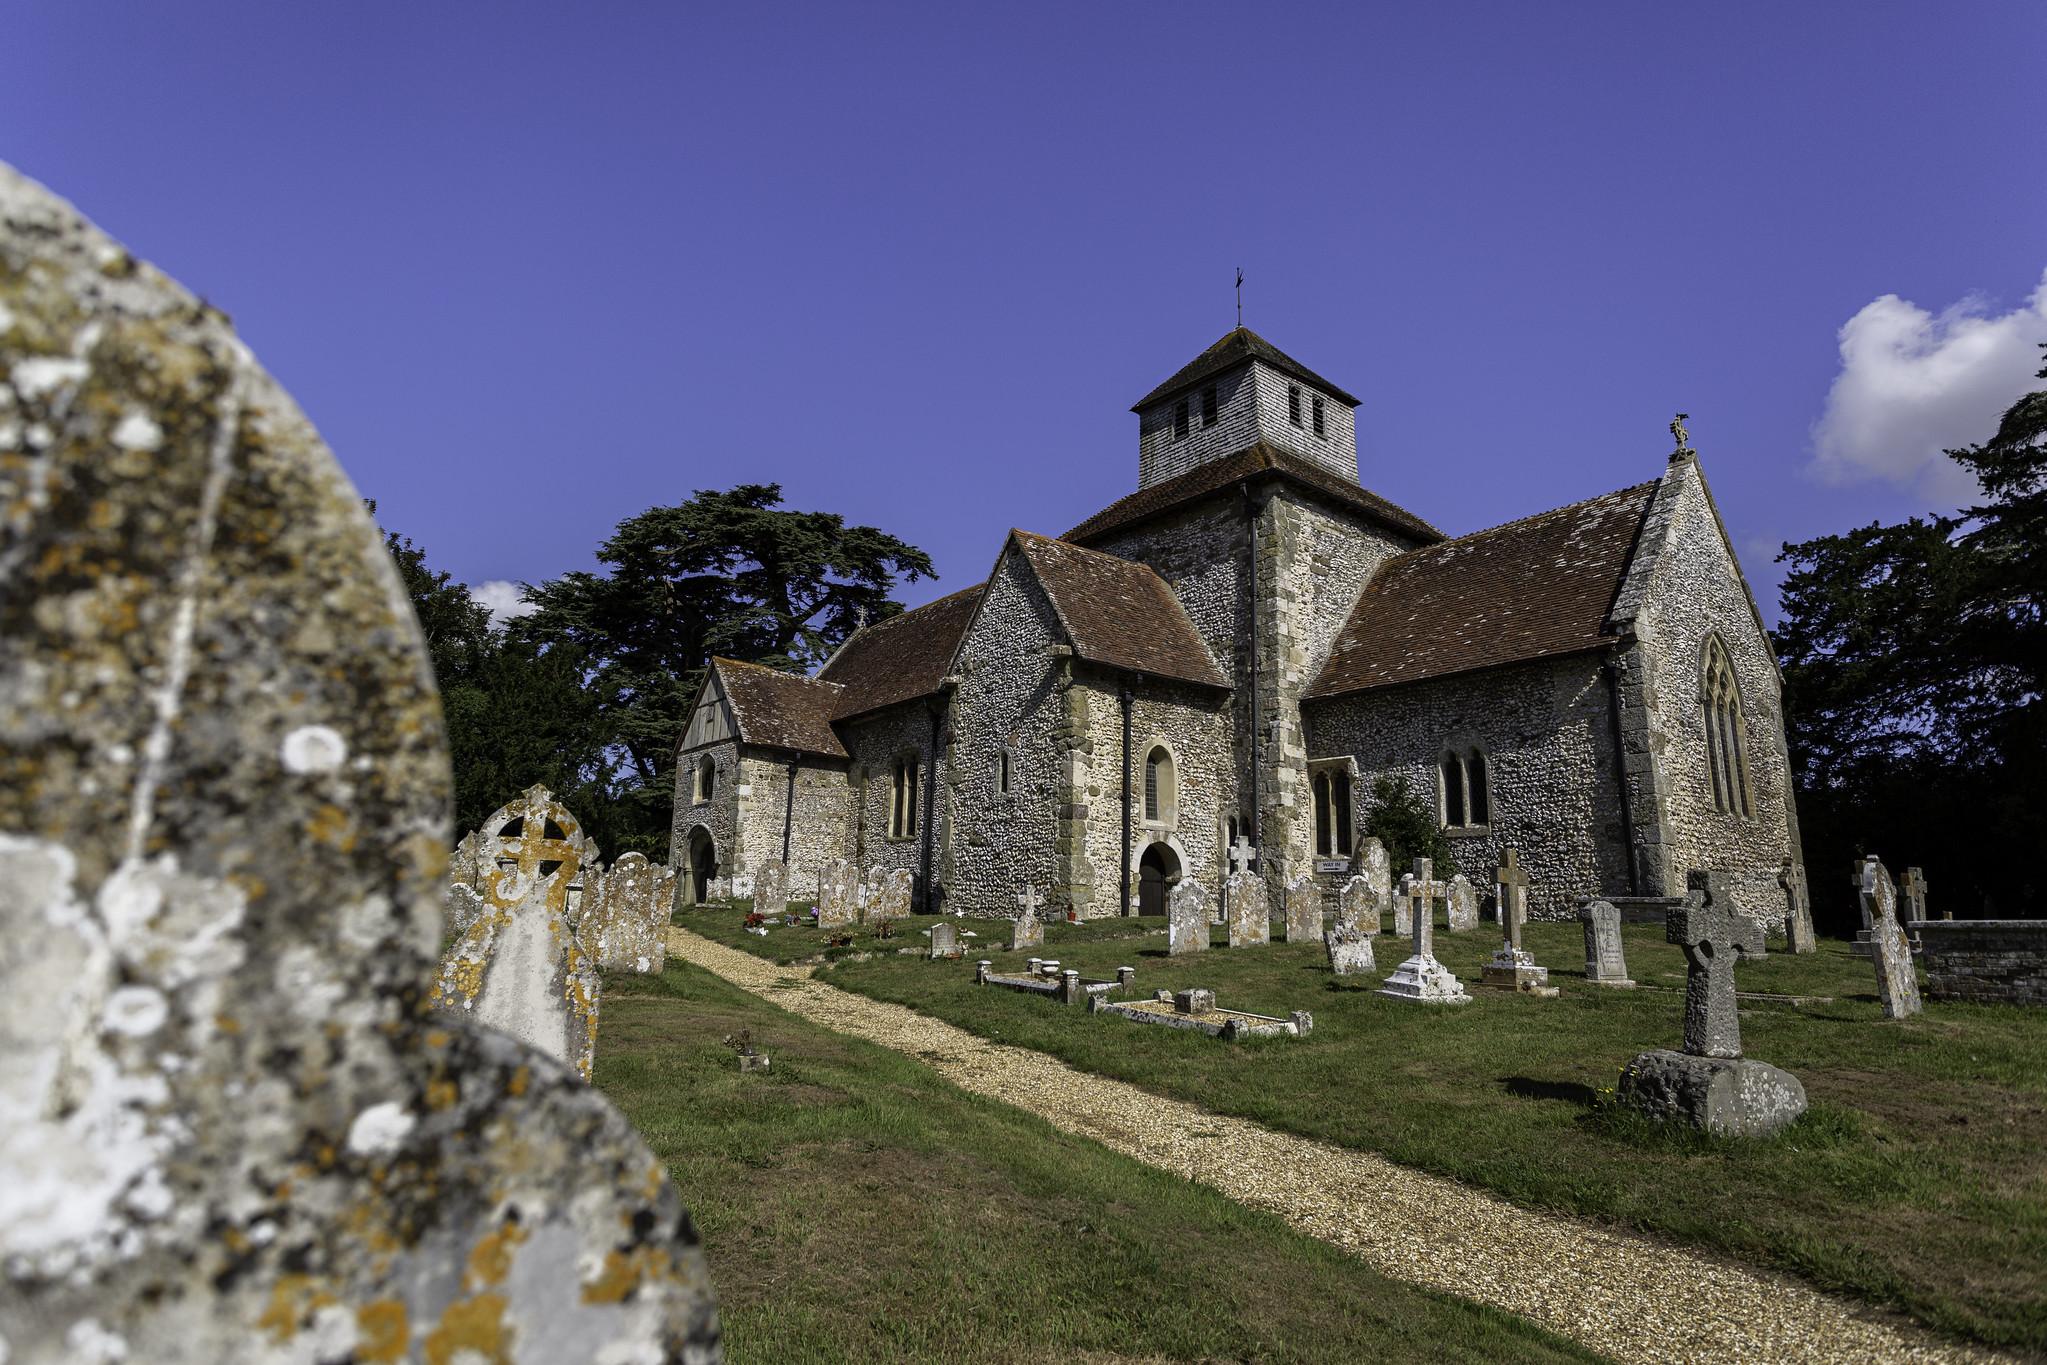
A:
(1238, 650)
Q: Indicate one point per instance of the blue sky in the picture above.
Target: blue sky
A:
(534, 268)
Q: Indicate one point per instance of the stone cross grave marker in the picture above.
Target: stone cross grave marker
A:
(1606, 962)
(1912, 898)
(1303, 909)
(771, 888)
(1897, 982)
(1027, 930)
(1510, 881)
(1460, 904)
(1710, 1084)
(1188, 915)
(229, 1131)
(520, 967)
(1241, 855)
(1421, 977)
(838, 895)
(1359, 905)
(1250, 915)
(945, 940)
(1512, 967)
(1798, 932)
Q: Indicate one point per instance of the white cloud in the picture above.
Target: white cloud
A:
(504, 599)
(1913, 384)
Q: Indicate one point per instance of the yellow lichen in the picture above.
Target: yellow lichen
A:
(384, 1331)
(623, 1272)
(473, 1324)
(516, 1086)
(292, 1299)
(441, 1094)
(490, 1260)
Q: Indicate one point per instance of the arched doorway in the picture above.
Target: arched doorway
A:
(1157, 872)
(703, 865)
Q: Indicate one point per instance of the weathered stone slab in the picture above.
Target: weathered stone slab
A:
(1798, 931)
(1350, 949)
(1303, 909)
(1376, 869)
(1460, 905)
(1606, 962)
(1360, 906)
(1188, 917)
(1027, 930)
(230, 1133)
(1897, 982)
(771, 888)
(1250, 915)
(897, 889)
(465, 906)
(945, 940)
(838, 896)
(631, 917)
(868, 896)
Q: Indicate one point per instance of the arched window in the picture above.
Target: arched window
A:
(1726, 750)
(1467, 789)
(707, 778)
(1004, 772)
(1161, 795)
(1332, 813)
(902, 811)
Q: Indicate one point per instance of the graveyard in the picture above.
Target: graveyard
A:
(1917, 1181)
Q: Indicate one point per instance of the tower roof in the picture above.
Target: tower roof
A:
(1239, 346)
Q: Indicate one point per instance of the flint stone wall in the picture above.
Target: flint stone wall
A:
(820, 823)
(719, 817)
(876, 742)
(2001, 961)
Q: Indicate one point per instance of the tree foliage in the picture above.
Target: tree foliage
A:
(1399, 819)
(1914, 656)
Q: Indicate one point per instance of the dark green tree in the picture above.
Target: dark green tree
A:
(1915, 657)
(729, 573)
(1400, 820)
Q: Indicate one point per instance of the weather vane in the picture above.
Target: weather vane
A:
(1677, 429)
(1240, 296)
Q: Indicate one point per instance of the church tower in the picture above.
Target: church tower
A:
(1238, 392)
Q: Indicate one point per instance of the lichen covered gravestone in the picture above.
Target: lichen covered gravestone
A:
(1350, 948)
(1606, 962)
(945, 940)
(230, 1133)
(1798, 933)
(1359, 906)
(1376, 868)
(1188, 916)
(1303, 908)
(771, 888)
(897, 889)
(1422, 978)
(1897, 980)
(630, 918)
(838, 892)
(1460, 905)
(1027, 930)
(1710, 1085)
(1513, 967)
(520, 967)
(1245, 906)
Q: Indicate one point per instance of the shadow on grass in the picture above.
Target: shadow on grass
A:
(1570, 1092)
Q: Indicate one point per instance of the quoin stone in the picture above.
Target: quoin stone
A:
(1897, 980)
(1606, 961)
(1188, 917)
(239, 1135)
(1710, 1085)
(1421, 978)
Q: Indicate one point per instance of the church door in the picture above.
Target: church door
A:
(1157, 870)
(703, 865)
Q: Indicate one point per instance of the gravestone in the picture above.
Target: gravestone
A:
(1798, 931)
(1421, 978)
(896, 889)
(1374, 867)
(1513, 968)
(1460, 904)
(1027, 930)
(633, 915)
(1188, 916)
(771, 888)
(1897, 981)
(1359, 904)
(229, 1132)
(465, 905)
(945, 940)
(869, 894)
(1250, 917)
(1606, 963)
(1710, 1085)
(465, 866)
(1912, 902)
(1303, 909)
(838, 895)
(1350, 948)
(1403, 905)
(664, 897)
(520, 968)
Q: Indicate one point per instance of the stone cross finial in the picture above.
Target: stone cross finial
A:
(1512, 880)
(1684, 438)
(1423, 891)
(1913, 889)
(1713, 935)
(1240, 855)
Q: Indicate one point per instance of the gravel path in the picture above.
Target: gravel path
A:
(1623, 1295)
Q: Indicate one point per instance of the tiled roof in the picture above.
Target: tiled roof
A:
(1252, 461)
(1119, 613)
(900, 658)
(1238, 347)
(1531, 589)
(780, 710)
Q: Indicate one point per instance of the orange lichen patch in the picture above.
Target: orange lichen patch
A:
(625, 1271)
(436, 1037)
(227, 1023)
(330, 825)
(474, 1324)
(292, 1299)
(516, 1086)
(490, 1260)
(442, 1094)
(233, 1239)
(385, 1329)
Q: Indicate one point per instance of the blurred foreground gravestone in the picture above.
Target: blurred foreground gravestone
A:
(232, 1130)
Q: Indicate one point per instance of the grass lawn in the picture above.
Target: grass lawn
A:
(854, 1207)
(1918, 1180)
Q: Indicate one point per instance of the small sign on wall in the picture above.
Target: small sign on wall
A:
(746, 789)
(1321, 864)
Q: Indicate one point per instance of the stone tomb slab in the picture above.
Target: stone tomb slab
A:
(838, 895)
(1229, 1025)
(1897, 981)
(277, 864)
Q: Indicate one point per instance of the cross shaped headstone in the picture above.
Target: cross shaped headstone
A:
(1714, 935)
(1512, 880)
(1913, 888)
(1028, 899)
(1855, 872)
(1240, 855)
(1798, 908)
(533, 847)
(1423, 890)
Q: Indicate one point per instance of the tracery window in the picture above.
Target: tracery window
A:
(1332, 813)
(1467, 789)
(902, 810)
(1726, 749)
(1161, 793)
